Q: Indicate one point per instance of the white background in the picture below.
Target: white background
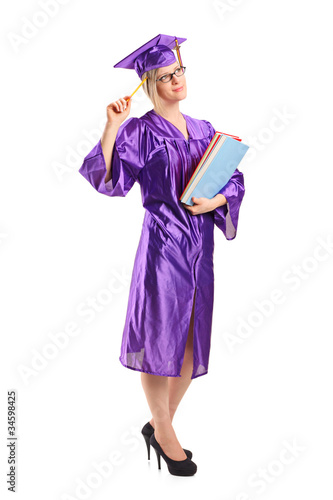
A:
(62, 243)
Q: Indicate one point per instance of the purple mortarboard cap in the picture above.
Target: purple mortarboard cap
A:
(154, 54)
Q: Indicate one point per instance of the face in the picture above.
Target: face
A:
(175, 89)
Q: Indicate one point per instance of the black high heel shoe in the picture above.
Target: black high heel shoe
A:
(147, 430)
(176, 467)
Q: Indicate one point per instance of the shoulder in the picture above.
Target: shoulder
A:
(129, 126)
(135, 139)
(134, 127)
(133, 131)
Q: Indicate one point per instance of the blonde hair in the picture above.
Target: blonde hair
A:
(149, 87)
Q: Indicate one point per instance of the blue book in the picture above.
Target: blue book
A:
(219, 162)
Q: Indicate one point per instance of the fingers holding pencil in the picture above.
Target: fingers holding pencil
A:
(119, 110)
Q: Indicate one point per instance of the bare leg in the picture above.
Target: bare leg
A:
(157, 394)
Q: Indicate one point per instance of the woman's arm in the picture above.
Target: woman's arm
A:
(107, 142)
(218, 201)
(125, 150)
(117, 112)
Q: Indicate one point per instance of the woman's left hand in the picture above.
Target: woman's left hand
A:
(201, 205)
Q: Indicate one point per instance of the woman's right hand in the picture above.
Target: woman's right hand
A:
(119, 110)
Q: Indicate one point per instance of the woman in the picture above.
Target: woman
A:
(168, 322)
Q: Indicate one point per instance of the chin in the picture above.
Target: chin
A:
(181, 95)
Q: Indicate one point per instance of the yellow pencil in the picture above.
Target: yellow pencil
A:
(137, 88)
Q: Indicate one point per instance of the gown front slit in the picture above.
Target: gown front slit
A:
(173, 270)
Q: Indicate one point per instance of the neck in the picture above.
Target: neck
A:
(170, 112)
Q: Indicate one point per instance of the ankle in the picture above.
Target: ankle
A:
(163, 438)
(152, 422)
(165, 434)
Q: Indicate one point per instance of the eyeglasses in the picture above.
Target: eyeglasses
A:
(166, 78)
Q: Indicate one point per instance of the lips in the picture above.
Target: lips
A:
(178, 89)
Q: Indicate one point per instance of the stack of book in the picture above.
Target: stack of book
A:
(219, 162)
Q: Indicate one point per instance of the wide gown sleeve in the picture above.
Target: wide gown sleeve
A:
(226, 216)
(130, 151)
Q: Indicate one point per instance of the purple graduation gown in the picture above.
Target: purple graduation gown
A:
(174, 259)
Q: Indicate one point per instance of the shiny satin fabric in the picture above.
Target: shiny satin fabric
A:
(174, 258)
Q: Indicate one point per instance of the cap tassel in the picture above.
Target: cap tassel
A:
(178, 54)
